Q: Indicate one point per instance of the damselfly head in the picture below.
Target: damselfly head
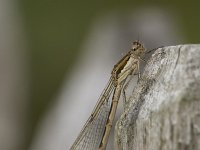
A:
(137, 48)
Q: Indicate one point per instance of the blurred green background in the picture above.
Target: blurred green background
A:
(54, 32)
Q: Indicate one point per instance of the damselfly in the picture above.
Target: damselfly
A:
(96, 130)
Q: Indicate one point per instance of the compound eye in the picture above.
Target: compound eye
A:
(134, 47)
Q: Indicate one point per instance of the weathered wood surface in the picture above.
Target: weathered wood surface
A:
(163, 112)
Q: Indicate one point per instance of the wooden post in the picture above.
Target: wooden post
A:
(163, 112)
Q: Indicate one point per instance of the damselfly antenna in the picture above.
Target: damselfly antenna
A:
(153, 49)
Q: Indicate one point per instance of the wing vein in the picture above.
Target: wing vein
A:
(90, 135)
